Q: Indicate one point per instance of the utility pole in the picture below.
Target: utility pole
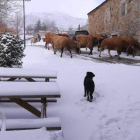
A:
(17, 23)
(24, 23)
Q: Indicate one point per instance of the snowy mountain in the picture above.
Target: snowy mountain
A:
(62, 20)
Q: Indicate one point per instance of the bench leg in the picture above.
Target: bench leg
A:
(43, 108)
(11, 79)
(30, 80)
(46, 79)
(27, 106)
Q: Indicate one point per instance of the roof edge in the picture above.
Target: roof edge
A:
(97, 7)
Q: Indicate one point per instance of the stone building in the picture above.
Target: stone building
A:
(116, 17)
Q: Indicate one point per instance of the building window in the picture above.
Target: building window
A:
(122, 9)
(106, 17)
(107, 14)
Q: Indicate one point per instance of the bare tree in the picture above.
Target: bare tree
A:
(17, 22)
(44, 26)
(7, 8)
(52, 25)
(3, 7)
(4, 27)
(29, 28)
(37, 26)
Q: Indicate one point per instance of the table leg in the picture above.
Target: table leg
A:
(30, 80)
(46, 79)
(11, 79)
(43, 108)
(27, 106)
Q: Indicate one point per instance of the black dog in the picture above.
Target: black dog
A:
(89, 86)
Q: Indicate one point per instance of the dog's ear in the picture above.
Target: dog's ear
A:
(88, 73)
(93, 75)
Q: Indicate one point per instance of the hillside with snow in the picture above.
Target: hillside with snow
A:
(62, 20)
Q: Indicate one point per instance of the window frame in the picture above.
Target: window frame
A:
(123, 8)
(107, 14)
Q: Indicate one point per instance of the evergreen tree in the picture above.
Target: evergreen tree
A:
(11, 51)
(44, 27)
(37, 26)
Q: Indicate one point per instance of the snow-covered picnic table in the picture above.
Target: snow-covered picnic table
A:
(28, 74)
(17, 90)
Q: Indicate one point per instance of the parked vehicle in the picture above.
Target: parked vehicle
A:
(83, 32)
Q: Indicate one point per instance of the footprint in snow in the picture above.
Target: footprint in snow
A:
(95, 96)
(137, 103)
(91, 108)
(81, 102)
(112, 120)
(103, 117)
(120, 111)
(111, 103)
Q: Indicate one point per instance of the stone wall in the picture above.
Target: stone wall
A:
(127, 25)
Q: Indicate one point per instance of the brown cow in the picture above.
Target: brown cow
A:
(48, 39)
(43, 39)
(113, 44)
(134, 44)
(61, 42)
(46, 45)
(63, 35)
(97, 35)
(87, 41)
(100, 38)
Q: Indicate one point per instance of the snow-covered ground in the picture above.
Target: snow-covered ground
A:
(27, 36)
(114, 113)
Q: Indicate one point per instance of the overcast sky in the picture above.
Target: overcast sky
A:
(76, 8)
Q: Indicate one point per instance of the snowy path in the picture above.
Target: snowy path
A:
(115, 111)
(128, 60)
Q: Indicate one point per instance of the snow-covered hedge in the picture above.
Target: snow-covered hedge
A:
(11, 51)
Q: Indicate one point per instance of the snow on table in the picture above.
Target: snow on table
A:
(29, 89)
(21, 72)
(39, 134)
(32, 123)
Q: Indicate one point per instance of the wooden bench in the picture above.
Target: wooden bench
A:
(51, 100)
(37, 134)
(15, 91)
(38, 128)
(22, 124)
(28, 74)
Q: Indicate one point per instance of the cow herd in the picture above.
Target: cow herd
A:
(63, 41)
